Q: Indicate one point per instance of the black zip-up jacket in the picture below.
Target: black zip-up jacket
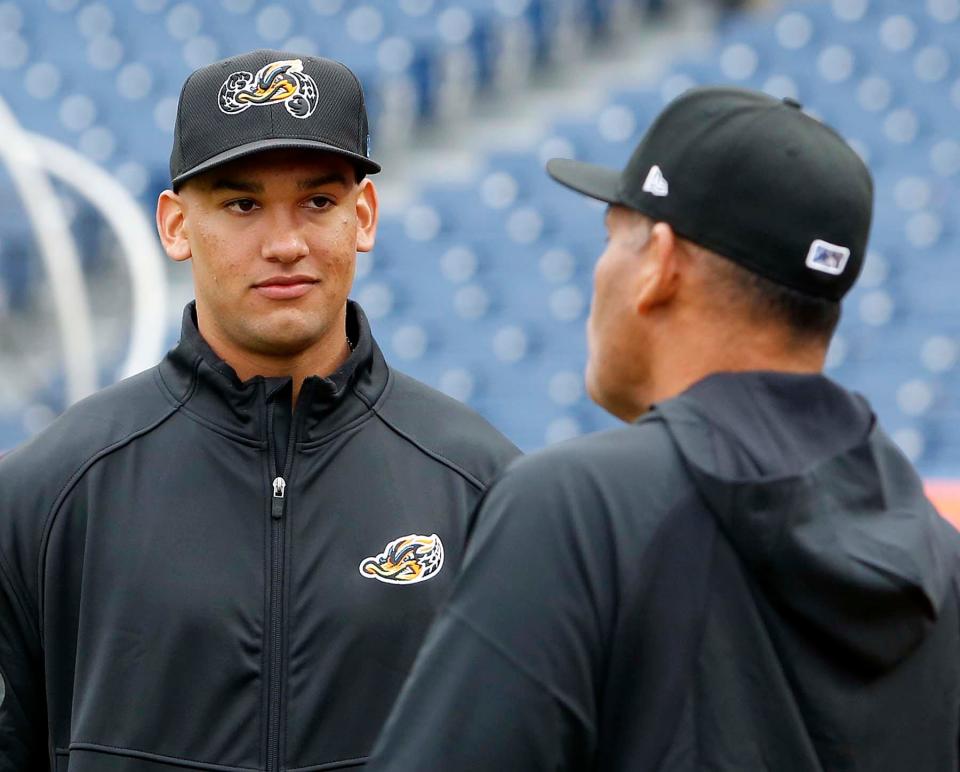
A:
(195, 576)
(749, 579)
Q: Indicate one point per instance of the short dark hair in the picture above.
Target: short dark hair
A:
(805, 316)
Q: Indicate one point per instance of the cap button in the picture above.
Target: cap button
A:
(791, 102)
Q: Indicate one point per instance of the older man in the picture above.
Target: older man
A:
(747, 577)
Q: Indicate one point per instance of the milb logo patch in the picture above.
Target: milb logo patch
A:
(282, 82)
(407, 560)
(827, 258)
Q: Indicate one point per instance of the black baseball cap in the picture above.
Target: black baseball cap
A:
(265, 100)
(752, 178)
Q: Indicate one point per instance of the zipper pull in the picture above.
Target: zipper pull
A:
(279, 489)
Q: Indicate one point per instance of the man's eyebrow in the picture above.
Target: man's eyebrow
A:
(323, 179)
(245, 186)
(240, 185)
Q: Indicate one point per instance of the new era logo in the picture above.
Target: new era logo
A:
(656, 184)
(827, 258)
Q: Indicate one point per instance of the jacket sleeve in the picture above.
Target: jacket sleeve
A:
(23, 722)
(508, 675)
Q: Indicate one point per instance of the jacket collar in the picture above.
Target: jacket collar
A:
(209, 388)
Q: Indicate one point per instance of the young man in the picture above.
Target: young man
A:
(746, 578)
(228, 562)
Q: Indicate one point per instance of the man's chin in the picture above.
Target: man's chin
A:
(285, 337)
(594, 387)
(613, 400)
(285, 345)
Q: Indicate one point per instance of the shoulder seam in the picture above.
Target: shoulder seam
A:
(453, 466)
(74, 479)
(438, 457)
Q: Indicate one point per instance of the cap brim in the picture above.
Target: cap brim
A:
(364, 163)
(598, 182)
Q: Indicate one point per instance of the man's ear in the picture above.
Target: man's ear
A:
(170, 226)
(660, 269)
(368, 206)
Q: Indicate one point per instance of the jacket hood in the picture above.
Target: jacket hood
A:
(826, 513)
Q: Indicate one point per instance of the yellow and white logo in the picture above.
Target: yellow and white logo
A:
(282, 82)
(407, 560)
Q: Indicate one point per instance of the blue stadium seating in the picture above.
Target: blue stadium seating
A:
(482, 289)
(884, 82)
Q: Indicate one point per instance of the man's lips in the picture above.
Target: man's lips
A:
(285, 287)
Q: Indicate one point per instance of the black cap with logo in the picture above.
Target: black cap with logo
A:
(264, 100)
(752, 178)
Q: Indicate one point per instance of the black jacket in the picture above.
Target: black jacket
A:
(750, 578)
(167, 603)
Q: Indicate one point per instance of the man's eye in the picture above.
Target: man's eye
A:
(319, 202)
(242, 205)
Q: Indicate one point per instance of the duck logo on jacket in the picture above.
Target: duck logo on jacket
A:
(407, 560)
(282, 82)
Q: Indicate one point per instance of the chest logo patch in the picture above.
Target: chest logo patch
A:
(282, 82)
(407, 560)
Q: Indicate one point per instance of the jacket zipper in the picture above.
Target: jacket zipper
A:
(279, 491)
(277, 511)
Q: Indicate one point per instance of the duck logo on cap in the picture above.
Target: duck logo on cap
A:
(282, 82)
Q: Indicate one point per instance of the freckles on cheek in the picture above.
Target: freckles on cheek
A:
(215, 257)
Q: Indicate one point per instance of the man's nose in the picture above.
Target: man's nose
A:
(285, 241)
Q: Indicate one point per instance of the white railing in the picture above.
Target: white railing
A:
(138, 242)
(58, 252)
(30, 158)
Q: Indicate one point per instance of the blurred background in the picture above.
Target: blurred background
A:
(480, 283)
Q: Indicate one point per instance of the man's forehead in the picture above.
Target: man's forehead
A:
(307, 168)
(617, 213)
(624, 214)
(608, 216)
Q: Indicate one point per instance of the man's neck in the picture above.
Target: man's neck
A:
(685, 357)
(321, 359)
(681, 366)
(298, 368)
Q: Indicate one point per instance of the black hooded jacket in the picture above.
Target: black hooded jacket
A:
(748, 578)
(194, 576)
